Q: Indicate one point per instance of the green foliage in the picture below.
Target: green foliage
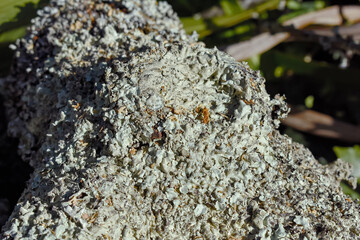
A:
(279, 71)
(296, 136)
(309, 101)
(293, 63)
(205, 27)
(15, 15)
(254, 62)
(234, 14)
(12, 35)
(230, 7)
(349, 191)
(298, 8)
(10, 8)
(350, 155)
(298, 5)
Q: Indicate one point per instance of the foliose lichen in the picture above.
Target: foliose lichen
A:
(137, 131)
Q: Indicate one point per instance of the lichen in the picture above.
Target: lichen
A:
(137, 131)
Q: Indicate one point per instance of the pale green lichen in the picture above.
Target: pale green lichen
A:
(136, 131)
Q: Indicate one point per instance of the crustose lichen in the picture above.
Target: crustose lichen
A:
(137, 131)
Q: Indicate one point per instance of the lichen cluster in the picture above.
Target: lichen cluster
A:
(137, 131)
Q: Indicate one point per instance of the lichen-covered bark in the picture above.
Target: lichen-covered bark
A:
(137, 131)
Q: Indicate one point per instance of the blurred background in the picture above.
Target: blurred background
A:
(308, 51)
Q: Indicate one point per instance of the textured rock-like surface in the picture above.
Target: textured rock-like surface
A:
(136, 131)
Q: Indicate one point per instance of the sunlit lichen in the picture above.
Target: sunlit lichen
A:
(137, 131)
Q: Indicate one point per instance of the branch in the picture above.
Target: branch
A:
(330, 17)
(322, 125)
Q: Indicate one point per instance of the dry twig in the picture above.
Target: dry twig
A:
(322, 125)
(332, 16)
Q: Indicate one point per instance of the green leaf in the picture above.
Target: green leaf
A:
(279, 71)
(323, 72)
(205, 27)
(319, 4)
(312, 5)
(300, 8)
(296, 136)
(241, 32)
(350, 155)
(293, 5)
(230, 7)
(238, 30)
(254, 62)
(291, 15)
(194, 24)
(349, 191)
(10, 8)
(229, 21)
(15, 15)
(309, 101)
(12, 35)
